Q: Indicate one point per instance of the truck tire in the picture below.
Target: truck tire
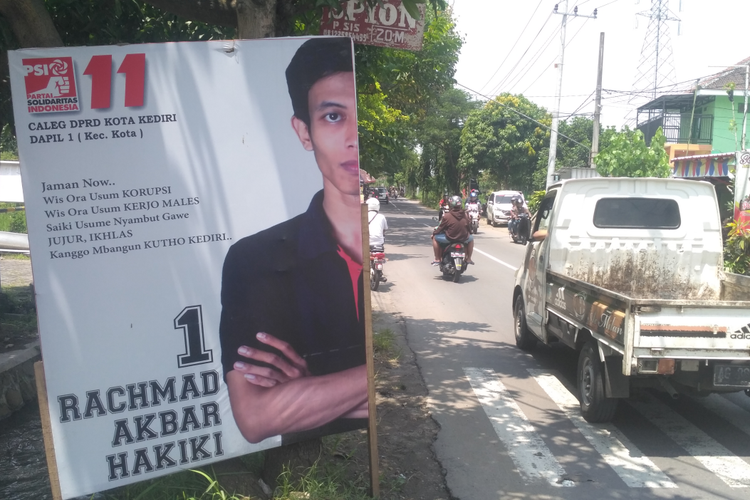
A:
(525, 340)
(595, 406)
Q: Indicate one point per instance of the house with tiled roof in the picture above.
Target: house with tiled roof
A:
(698, 120)
(703, 125)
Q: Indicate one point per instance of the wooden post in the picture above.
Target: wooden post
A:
(49, 445)
(372, 428)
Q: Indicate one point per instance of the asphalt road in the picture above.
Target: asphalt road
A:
(510, 425)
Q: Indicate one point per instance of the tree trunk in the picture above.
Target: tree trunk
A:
(30, 23)
(256, 18)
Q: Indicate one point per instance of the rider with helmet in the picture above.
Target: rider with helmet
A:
(454, 226)
(516, 211)
(377, 223)
(472, 203)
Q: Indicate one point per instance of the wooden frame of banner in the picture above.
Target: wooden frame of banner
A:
(49, 445)
(372, 427)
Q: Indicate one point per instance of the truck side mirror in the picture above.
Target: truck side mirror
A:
(539, 235)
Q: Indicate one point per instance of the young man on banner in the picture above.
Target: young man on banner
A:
(292, 331)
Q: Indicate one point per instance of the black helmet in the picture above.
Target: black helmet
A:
(454, 202)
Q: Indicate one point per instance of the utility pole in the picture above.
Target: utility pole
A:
(598, 103)
(558, 95)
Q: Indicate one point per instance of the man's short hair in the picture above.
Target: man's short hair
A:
(316, 59)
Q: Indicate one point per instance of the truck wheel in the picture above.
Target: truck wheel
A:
(525, 340)
(595, 406)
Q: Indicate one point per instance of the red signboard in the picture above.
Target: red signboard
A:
(385, 24)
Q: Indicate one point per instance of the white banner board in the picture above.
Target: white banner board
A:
(142, 165)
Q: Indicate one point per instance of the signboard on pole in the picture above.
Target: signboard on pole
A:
(194, 224)
(384, 24)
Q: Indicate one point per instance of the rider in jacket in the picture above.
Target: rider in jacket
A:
(515, 212)
(454, 226)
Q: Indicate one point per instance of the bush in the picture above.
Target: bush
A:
(737, 248)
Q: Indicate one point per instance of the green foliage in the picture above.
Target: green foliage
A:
(534, 199)
(440, 141)
(737, 248)
(96, 22)
(628, 156)
(397, 90)
(8, 145)
(503, 144)
(14, 222)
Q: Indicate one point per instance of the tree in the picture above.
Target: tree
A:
(440, 143)
(499, 141)
(628, 156)
(397, 90)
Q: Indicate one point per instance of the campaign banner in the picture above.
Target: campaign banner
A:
(386, 23)
(742, 191)
(194, 224)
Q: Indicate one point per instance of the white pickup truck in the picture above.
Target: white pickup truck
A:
(630, 273)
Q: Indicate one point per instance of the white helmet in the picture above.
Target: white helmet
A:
(373, 205)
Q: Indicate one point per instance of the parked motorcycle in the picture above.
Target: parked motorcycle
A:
(452, 264)
(377, 261)
(520, 229)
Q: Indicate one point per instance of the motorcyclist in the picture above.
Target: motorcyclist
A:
(472, 204)
(455, 226)
(442, 205)
(515, 212)
(377, 223)
(378, 226)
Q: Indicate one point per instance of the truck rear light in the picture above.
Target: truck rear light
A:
(660, 366)
(665, 367)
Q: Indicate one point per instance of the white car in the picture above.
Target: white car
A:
(499, 206)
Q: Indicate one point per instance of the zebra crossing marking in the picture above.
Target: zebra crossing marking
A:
(730, 468)
(635, 469)
(528, 451)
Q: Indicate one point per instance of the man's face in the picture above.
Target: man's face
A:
(332, 134)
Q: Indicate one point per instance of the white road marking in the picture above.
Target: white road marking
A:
(734, 471)
(496, 259)
(636, 470)
(528, 451)
(729, 411)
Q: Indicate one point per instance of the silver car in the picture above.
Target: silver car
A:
(499, 206)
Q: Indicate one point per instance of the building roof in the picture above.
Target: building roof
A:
(724, 77)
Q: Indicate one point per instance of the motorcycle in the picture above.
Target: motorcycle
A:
(452, 264)
(474, 215)
(520, 230)
(443, 210)
(377, 261)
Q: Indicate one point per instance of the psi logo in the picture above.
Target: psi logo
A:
(50, 85)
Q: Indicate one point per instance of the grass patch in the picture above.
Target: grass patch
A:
(384, 343)
(188, 485)
(13, 222)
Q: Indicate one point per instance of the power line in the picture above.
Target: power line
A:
(521, 114)
(547, 66)
(514, 45)
(532, 61)
(524, 54)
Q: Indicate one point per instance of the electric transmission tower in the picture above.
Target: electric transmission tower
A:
(656, 66)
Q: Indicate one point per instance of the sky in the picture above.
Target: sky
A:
(513, 46)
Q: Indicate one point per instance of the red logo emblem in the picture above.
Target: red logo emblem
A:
(50, 85)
